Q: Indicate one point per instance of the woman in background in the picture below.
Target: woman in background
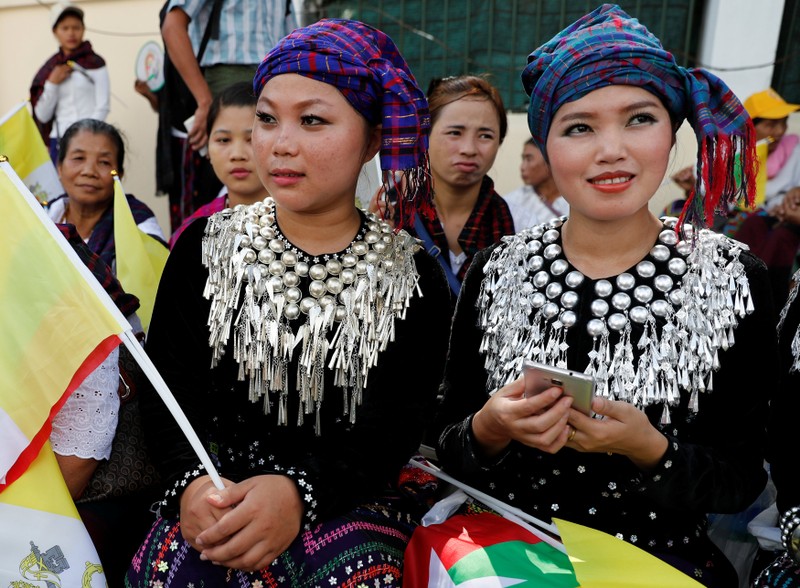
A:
(72, 84)
(468, 125)
(90, 150)
(230, 150)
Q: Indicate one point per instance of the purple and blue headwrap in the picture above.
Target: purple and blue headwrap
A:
(607, 46)
(364, 64)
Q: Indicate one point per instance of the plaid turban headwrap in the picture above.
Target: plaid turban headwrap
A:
(364, 64)
(607, 46)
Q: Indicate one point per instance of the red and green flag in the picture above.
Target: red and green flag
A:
(485, 550)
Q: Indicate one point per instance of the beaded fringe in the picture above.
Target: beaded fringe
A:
(248, 298)
(795, 345)
(677, 350)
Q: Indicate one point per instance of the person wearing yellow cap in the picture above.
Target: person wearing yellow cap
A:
(770, 114)
(773, 230)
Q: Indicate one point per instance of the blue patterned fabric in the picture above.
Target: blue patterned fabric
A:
(247, 28)
(365, 65)
(608, 46)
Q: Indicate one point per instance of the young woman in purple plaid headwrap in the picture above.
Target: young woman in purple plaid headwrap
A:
(286, 328)
(674, 322)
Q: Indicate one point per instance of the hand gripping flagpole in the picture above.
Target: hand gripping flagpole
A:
(125, 330)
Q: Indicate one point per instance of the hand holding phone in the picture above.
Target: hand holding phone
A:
(539, 377)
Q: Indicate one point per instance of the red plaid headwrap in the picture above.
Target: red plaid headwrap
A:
(364, 64)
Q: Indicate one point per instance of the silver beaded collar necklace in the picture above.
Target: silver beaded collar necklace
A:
(795, 345)
(338, 309)
(687, 313)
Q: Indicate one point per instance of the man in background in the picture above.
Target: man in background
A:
(538, 199)
(239, 33)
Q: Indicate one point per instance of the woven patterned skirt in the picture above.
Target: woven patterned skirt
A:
(361, 549)
(784, 572)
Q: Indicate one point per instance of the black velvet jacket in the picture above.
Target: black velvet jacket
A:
(336, 470)
(714, 463)
(784, 415)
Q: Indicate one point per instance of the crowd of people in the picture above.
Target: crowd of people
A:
(289, 322)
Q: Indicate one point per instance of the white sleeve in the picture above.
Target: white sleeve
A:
(86, 424)
(102, 93)
(46, 106)
(151, 227)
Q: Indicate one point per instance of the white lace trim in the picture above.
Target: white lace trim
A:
(86, 424)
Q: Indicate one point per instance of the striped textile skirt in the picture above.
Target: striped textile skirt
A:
(363, 548)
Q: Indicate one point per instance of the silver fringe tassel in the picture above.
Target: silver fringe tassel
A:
(682, 334)
(349, 307)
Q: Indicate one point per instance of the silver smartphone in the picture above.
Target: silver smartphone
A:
(539, 377)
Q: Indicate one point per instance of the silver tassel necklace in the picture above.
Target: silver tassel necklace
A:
(687, 314)
(334, 311)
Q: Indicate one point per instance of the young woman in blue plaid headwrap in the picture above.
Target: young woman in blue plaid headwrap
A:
(674, 322)
(285, 329)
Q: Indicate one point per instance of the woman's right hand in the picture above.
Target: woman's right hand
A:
(59, 73)
(197, 134)
(262, 515)
(538, 421)
(789, 209)
(197, 512)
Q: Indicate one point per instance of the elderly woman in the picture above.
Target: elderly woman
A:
(90, 150)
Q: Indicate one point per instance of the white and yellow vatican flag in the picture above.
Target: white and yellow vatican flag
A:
(21, 142)
(140, 258)
(43, 541)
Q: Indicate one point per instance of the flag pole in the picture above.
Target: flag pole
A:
(127, 337)
(139, 354)
(508, 511)
(12, 112)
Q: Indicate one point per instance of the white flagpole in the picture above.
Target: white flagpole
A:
(12, 112)
(127, 336)
(518, 516)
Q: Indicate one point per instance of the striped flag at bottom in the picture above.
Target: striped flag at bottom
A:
(44, 542)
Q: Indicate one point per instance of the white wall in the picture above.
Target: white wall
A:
(117, 30)
(740, 38)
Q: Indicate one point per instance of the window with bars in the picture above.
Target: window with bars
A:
(452, 37)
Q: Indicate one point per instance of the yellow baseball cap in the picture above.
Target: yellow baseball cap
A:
(768, 104)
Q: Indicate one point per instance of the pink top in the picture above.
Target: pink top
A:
(219, 203)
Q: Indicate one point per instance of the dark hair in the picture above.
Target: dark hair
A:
(69, 11)
(237, 94)
(96, 127)
(444, 91)
(531, 142)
